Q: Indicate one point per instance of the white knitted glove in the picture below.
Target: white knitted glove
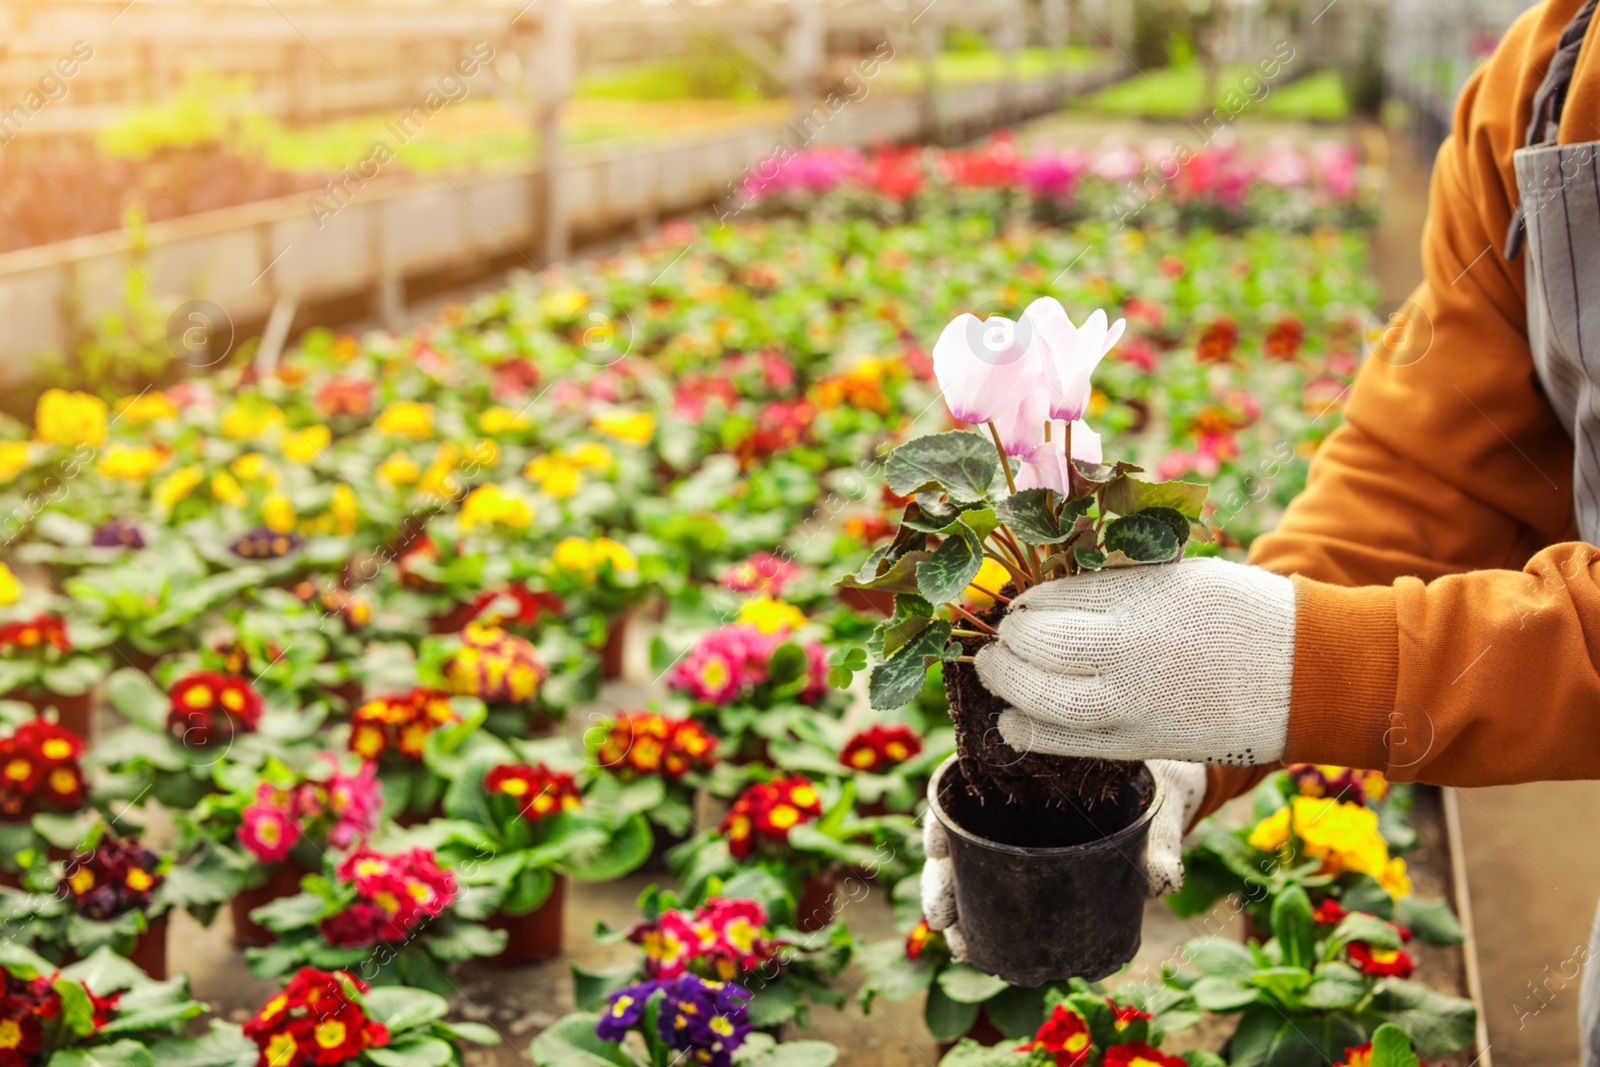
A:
(1186, 661)
(1183, 787)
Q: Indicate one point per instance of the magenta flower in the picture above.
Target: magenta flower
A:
(267, 832)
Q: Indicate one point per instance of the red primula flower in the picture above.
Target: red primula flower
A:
(537, 790)
(1065, 1035)
(1125, 1015)
(1284, 339)
(39, 767)
(878, 747)
(917, 940)
(1218, 342)
(402, 723)
(1380, 962)
(641, 743)
(1139, 1054)
(318, 1018)
(1329, 912)
(209, 705)
(769, 810)
(396, 895)
(45, 630)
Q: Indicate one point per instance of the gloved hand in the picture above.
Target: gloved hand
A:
(1183, 787)
(1186, 661)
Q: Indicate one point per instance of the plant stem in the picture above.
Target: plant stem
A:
(963, 659)
(973, 619)
(1066, 442)
(1005, 461)
(1017, 576)
(967, 633)
(990, 593)
(1029, 559)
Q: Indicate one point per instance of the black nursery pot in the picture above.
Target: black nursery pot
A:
(1038, 915)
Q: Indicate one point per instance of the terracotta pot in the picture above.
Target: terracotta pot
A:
(983, 1031)
(150, 950)
(538, 934)
(76, 713)
(870, 600)
(814, 909)
(284, 881)
(613, 652)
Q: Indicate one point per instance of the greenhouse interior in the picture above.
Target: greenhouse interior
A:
(783, 533)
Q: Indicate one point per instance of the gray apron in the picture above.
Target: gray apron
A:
(1557, 230)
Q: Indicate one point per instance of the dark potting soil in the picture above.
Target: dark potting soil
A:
(1028, 827)
(997, 775)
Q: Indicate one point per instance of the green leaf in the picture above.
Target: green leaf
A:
(1199, 1057)
(947, 1019)
(570, 1042)
(1228, 959)
(969, 985)
(125, 1053)
(962, 463)
(759, 1050)
(1125, 495)
(898, 680)
(1437, 1023)
(968, 1053)
(952, 566)
(900, 576)
(133, 694)
(477, 1033)
(1358, 926)
(1391, 1047)
(1031, 514)
(1294, 928)
(1141, 538)
(75, 1006)
(1090, 558)
(403, 1009)
(1215, 993)
(1175, 520)
(418, 1052)
(1431, 921)
(1334, 987)
(625, 852)
(222, 1046)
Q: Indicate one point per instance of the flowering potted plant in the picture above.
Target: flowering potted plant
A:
(49, 663)
(270, 828)
(1081, 1025)
(697, 1019)
(110, 894)
(503, 670)
(101, 1009)
(1059, 512)
(1321, 829)
(752, 680)
(515, 831)
(786, 847)
(389, 918)
(397, 732)
(43, 793)
(322, 1017)
(1324, 982)
(725, 940)
(888, 762)
(600, 581)
(661, 758)
(175, 740)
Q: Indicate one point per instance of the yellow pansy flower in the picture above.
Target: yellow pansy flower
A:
(278, 513)
(502, 420)
(177, 485)
(399, 469)
(770, 616)
(408, 418)
(133, 464)
(637, 427)
(149, 406)
(14, 456)
(489, 504)
(10, 588)
(63, 418)
(302, 446)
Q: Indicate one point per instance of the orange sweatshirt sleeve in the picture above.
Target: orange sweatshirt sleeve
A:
(1444, 632)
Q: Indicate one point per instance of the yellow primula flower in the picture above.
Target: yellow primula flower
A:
(555, 474)
(490, 504)
(14, 456)
(177, 485)
(498, 420)
(771, 616)
(574, 554)
(591, 455)
(1343, 836)
(278, 513)
(407, 418)
(302, 446)
(399, 469)
(1271, 833)
(249, 419)
(992, 575)
(346, 509)
(616, 554)
(10, 588)
(226, 489)
(439, 479)
(63, 418)
(253, 467)
(1394, 879)
(563, 303)
(636, 427)
(133, 464)
(483, 454)
(150, 406)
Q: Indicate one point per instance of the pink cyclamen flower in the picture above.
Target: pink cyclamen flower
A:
(984, 368)
(1067, 354)
(267, 832)
(1046, 466)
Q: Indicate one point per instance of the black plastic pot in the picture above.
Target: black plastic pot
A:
(1038, 915)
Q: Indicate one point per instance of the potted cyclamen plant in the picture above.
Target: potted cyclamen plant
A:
(1031, 835)
(270, 828)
